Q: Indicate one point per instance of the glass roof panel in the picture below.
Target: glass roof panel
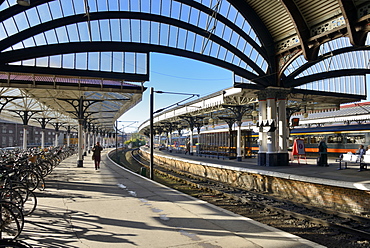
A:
(44, 11)
(175, 10)
(334, 45)
(118, 62)
(68, 61)
(354, 60)
(146, 5)
(55, 9)
(4, 5)
(102, 6)
(56, 61)
(11, 28)
(3, 34)
(73, 33)
(79, 7)
(136, 5)
(185, 13)
(349, 85)
(81, 61)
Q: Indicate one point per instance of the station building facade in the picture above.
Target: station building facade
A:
(12, 135)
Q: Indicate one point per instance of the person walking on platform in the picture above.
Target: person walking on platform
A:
(323, 158)
(97, 155)
(187, 149)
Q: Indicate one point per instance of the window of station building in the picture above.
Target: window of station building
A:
(3, 129)
(335, 139)
(355, 139)
(3, 141)
(10, 130)
(10, 140)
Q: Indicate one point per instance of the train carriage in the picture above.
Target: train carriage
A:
(339, 138)
(220, 142)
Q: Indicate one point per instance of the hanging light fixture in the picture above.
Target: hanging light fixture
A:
(24, 2)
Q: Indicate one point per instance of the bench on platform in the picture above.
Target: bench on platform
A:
(351, 158)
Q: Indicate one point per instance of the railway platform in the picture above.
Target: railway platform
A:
(113, 207)
(304, 169)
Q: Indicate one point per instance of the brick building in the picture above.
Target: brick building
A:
(11, 135)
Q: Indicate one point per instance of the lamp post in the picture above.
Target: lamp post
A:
(151, 114)
(117, 139)
(132, 122)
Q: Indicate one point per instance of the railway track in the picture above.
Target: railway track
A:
(343, 223)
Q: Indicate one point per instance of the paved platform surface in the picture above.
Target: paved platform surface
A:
(303, 170)
(112, 207)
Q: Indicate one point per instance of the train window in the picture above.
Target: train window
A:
(335, 139)
(356, 139)
(316, 139)
(254, 140)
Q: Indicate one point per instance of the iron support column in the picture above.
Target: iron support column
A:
(68, 136)
(271, 155)
(283, 132)
(238, 141)
(42, 138)
(262, 137)
(80, 143)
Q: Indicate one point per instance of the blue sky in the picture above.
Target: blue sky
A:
(175, 74)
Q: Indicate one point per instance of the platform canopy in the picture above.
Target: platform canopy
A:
(100, 49)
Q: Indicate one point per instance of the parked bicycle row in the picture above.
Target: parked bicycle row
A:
(21, 173)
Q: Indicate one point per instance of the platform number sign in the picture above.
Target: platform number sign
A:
(298, 147)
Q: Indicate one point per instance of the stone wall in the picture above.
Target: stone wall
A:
(337, 198)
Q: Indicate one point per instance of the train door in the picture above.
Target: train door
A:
(247, 143)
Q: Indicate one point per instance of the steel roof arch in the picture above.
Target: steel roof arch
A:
(17, 55)
(286, 29)
(291, 80)
(73, 19)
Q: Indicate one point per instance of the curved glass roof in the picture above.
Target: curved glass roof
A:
(341, 65)
(92, 48)
(215, 29)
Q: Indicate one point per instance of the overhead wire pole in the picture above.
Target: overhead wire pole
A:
(116, 128)
(151, 165)
(151, 114)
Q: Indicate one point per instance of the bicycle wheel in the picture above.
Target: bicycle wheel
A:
(9, 225)
(11, 195)
(41, 184)
(29, 199)
(30, 204)
(29, 178)
(17, 211)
